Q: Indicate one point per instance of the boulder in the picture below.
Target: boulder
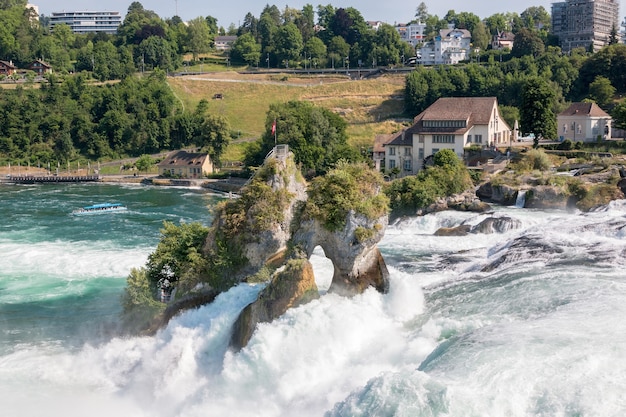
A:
(498, 194)
(291, 286)
(497, 225)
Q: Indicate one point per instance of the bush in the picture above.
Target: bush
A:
(346, 187)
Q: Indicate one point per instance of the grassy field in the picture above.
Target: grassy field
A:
(370, 107)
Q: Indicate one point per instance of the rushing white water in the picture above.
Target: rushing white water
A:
(524, 323)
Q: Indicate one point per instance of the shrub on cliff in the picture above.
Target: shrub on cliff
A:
(178, 256)
(346, 187)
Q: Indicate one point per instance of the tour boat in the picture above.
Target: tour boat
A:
(99, 208)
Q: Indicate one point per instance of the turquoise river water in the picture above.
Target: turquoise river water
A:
(526, 322)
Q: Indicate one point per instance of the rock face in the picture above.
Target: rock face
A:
(276, 224)
(467, 201)
(357, 263)
(290, 287)
(500, 224)
(498, 194)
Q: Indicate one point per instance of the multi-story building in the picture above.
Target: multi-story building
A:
(584, 23)
(454, 123)
(451, 46)
(412, 33)
(88, 21)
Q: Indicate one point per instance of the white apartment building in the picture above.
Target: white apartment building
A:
(584, 23)
(88, 21)
(412, 33)
(451, 46)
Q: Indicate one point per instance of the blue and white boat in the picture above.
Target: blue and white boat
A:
(99, 209)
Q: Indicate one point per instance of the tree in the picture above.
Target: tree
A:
(536, 114)
(535, 18)
(288, 42)
(246, 49)
(446, 158)
(619, 115)
(480, 37)
(178, 254)
(198, 37)
(601, 91)
(315, 135)
(527, 43)
(144, 163)
(614, 36)
(421, 13)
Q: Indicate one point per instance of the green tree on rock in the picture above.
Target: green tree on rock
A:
(315, 135)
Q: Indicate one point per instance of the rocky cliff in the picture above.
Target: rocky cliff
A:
(270, 231)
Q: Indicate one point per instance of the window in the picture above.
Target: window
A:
(407, 151)
(478, 138)
(469, 138)
(421, 139)
(392, 163)
(421, 154)
(392, 150)
(443, 138)
(408, 165)
(445, 123)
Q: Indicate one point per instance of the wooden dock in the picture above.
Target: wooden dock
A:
(49, 179)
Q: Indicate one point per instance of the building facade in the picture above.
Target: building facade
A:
(40, 67)
(451, 46)
(412, 33)
(584, 122)
(454, 123)
(183, 164)
(224, 43)
(7, 68)
(584, 23)
(88, 21)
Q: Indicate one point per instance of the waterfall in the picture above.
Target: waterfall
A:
(520, 202)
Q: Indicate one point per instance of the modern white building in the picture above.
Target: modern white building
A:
(451, 46)
(88, 21)
(412, 33)
(454, 123)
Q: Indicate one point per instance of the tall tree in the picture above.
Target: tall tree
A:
(246, 49)
(288, 43)
(421, 13)
(536, 114)
(527, 42)
(198, 37)
(480, 37)
(601, 91)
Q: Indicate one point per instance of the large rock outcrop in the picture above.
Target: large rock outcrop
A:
(278, 221)
(353, 250)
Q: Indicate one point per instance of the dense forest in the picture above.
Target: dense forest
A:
(72, 118)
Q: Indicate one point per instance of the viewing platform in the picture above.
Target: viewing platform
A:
(41, 179)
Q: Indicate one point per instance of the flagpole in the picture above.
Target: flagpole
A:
(274, 132)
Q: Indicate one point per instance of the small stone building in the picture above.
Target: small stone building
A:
(183, 164)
